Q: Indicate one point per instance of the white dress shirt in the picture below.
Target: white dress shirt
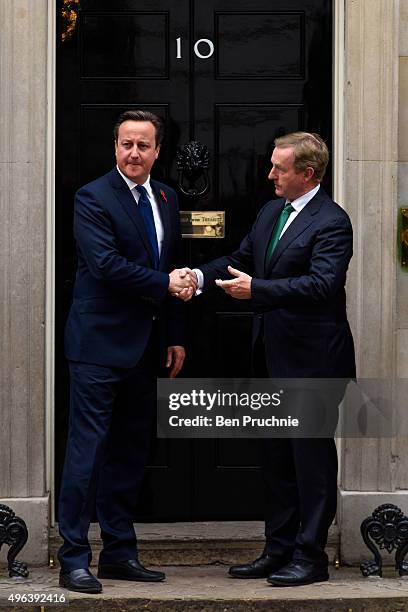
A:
(155, 207)
(297, 204)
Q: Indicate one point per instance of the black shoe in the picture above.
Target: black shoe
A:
(129, 570)
(81, 581)
(260, 568)
(297, 573)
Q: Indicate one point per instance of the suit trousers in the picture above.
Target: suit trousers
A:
(112, 412)
(300, 477)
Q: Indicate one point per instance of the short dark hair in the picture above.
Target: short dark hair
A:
(141, 115)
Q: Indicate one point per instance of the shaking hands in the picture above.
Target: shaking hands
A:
(183, 283)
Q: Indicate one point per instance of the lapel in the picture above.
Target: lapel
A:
(298, 225)
(129, 205)
(165, 217)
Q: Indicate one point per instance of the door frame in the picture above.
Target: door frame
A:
(50, 259)
(338, 125)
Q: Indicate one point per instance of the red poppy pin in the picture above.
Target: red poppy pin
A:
(163, 195)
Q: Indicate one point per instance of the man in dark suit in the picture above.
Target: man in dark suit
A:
(123, 324)
(293, 266)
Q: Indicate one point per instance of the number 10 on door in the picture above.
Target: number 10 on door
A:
(203, 48)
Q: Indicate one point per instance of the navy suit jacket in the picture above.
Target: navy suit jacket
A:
(301, 292)
(117, 290)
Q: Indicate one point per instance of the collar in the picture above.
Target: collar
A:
(301, 202)
(131, 184)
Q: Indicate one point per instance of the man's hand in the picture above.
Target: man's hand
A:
(239, 287)
(175, 357)
(183, 283)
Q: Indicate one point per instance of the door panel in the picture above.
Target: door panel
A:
(260, 74)
(138, 46)
(118, 58)
(261, 36)
(269, 73)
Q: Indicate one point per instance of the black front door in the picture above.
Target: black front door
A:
(232, 76)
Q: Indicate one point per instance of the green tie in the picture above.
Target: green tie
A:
(279, 225)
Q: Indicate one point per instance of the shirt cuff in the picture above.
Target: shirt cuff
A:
(200, 279)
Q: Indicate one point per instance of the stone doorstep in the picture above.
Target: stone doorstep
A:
(202, 543)
(210, 589)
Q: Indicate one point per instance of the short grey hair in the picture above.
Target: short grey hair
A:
(310, 151)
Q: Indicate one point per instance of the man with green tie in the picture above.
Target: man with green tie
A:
(293, 265)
